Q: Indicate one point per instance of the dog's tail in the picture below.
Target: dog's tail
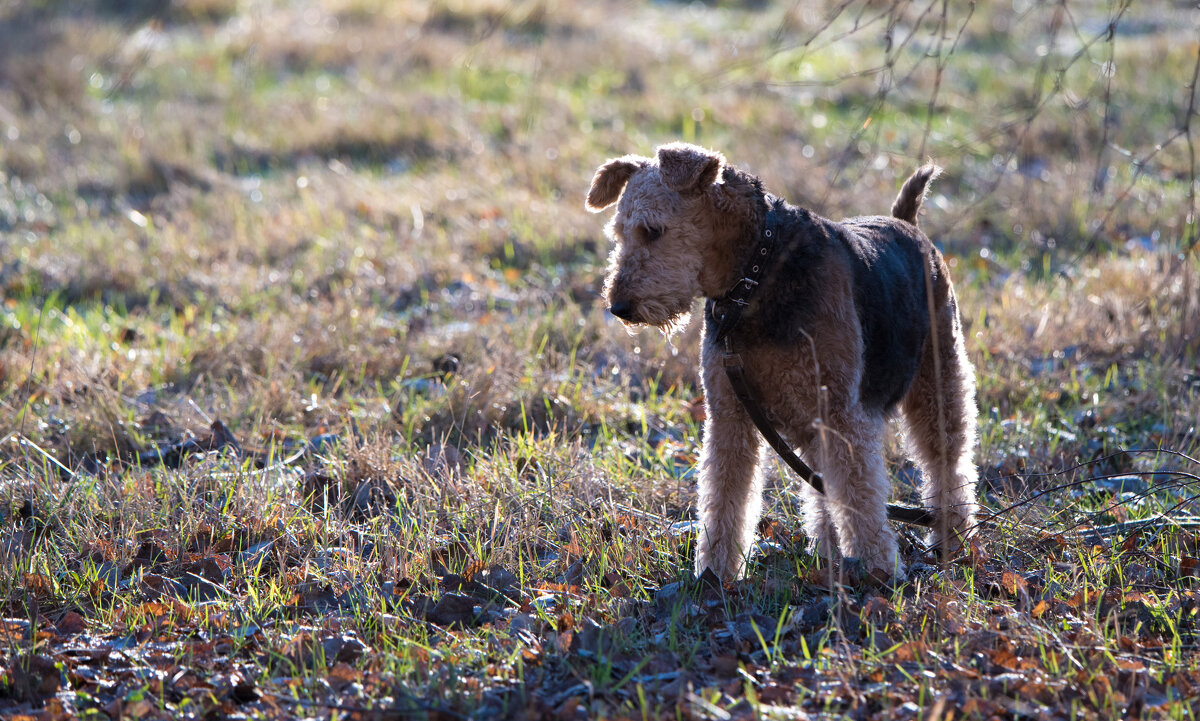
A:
(908, 202)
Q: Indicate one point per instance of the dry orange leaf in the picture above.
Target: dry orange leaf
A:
(1012, 583)
(912, 651)
(875, 606)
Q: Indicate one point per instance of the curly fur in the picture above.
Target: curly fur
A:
(853, 321)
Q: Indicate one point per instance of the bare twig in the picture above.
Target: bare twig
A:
(1189, 477)
(1191, 222)
(415, 710)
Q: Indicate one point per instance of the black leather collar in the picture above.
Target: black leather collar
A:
(725, 311)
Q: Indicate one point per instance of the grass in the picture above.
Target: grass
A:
(310, 406)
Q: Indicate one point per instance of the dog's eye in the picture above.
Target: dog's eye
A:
(651, 233)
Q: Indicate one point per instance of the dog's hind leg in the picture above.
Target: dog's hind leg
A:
(939, 420)
(818, 526)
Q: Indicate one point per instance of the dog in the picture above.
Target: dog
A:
(847, 323)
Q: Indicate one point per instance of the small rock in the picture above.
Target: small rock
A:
(667, 595)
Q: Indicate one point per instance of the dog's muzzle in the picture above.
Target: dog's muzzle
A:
(622, 309)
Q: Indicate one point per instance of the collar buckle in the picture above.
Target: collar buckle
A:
(727, 309)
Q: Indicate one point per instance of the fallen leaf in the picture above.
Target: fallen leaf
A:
(724, 665)
(34, 678)
(38, 584)
(1012, 584)
(71, 623)
(452, 608)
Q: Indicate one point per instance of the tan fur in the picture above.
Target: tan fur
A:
(940, 423)
(912, 194)
(610, 180)
(687, 169)
(811, 389)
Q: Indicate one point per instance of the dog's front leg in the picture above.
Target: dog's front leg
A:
(730, 481)
(850, 453)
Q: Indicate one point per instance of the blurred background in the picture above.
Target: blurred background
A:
(1060, 123)
(297, 214)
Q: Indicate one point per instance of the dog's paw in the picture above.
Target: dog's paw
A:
(708, 565)
(726, 560)
(950, 545)
(825, 548)
(857, 572)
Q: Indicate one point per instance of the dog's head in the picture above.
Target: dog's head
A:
(677, 217)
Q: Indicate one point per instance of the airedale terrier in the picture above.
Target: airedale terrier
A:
(849, 321)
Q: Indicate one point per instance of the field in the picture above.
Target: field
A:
(310, 405)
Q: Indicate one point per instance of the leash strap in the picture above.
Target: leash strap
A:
(741, 388)
(726, 312)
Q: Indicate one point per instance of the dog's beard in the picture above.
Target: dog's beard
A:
(667, 319)
(675, 323)
(668, 311)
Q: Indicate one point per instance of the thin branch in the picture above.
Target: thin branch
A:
(1191, 222)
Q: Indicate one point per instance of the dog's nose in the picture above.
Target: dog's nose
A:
(622, 309)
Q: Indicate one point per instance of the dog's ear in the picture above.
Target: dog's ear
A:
(610, 180)
(736, 196)
(688, 168)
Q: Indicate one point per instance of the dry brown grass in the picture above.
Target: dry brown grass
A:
(287, 216)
